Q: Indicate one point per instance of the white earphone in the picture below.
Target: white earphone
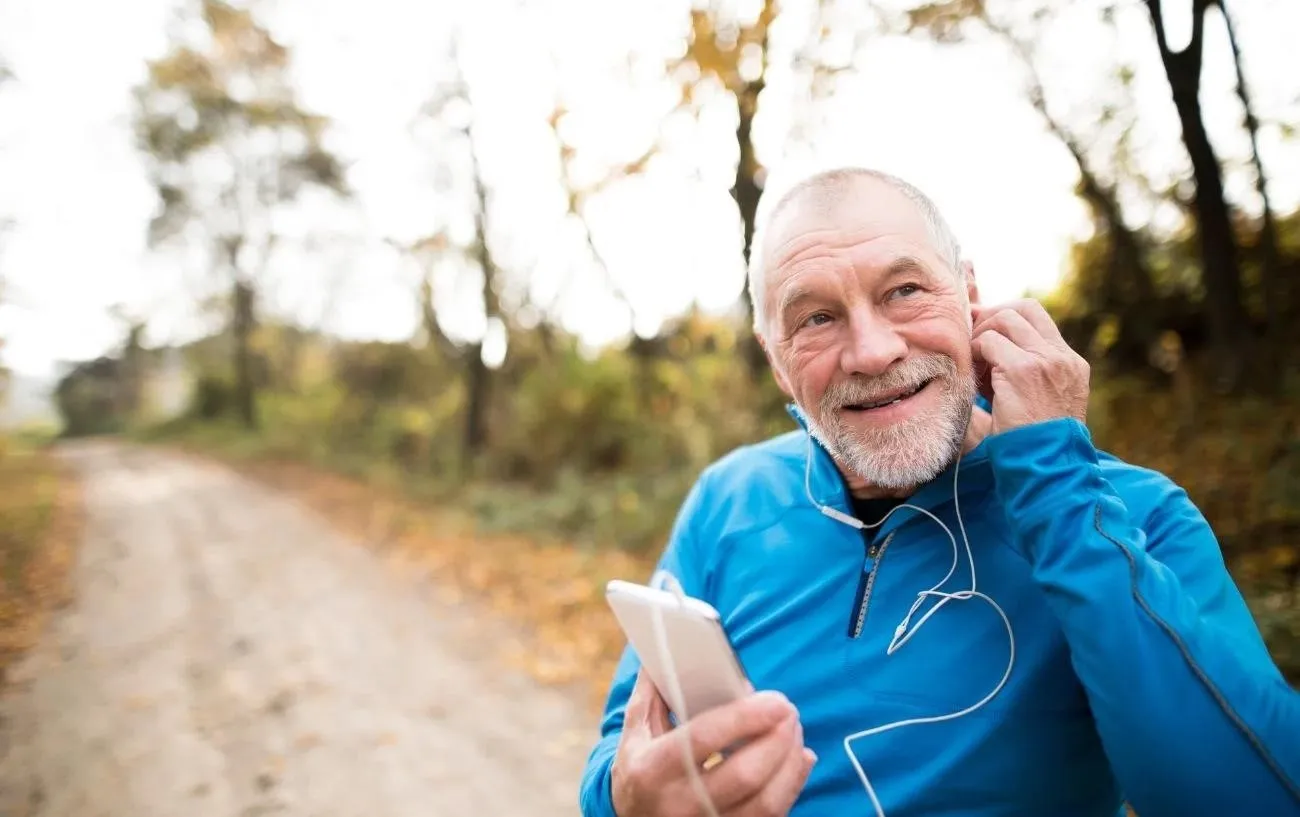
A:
(902, 634)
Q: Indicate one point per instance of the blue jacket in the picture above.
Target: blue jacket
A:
(1139, 674)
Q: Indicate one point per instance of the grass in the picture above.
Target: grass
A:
(38, 525)
(517, 544)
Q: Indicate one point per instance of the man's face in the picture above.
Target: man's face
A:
(869, 333)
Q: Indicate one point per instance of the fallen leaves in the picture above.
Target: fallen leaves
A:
(40, 518)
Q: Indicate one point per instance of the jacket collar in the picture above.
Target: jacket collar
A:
(829, 487)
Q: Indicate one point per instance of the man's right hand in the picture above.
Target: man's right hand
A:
(762, 778)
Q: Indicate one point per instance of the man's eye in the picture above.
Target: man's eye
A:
(906, 290)
(816, 319)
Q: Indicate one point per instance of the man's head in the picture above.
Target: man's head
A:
(860, 299)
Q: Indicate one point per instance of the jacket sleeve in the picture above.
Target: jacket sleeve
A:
(1193, 713)
(680, 557)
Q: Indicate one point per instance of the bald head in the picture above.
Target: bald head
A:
(819, 198)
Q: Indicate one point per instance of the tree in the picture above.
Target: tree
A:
(451, 111)
(427, 252)
(1227, 319)
(93, 398)
(1126, 280)
(228, 147)
(736, 53)
(131, 360)
(578, 197)
(1270, 253)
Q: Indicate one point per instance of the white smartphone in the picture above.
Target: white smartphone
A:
(708, 669)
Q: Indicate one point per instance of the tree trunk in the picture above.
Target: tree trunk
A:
(133, 371)
(1219, 252)
(478, 377)
(1127, 279)
(1128, 257)
(290, 369)
(477, 393)
(440, 345)
(245, 387)
(1270, 256)
(746, 192)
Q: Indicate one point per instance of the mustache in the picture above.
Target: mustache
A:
(905, 376)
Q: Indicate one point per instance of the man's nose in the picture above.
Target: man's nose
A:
(874, 345)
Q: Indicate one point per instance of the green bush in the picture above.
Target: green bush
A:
(599, 450)
(214, 397)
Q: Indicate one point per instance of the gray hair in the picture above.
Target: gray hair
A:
(833, 184)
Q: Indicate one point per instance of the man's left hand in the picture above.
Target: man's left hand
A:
(1028, 371)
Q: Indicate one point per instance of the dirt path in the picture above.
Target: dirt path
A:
(230, 655)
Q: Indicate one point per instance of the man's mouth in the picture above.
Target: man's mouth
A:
(889, 399)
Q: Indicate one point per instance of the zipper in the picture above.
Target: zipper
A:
(870, 567)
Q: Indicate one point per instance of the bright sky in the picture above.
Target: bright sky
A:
(953, 120)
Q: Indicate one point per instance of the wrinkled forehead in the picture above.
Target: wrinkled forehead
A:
(861, 210)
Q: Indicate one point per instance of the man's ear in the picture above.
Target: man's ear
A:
(775, 365)
(967, 271)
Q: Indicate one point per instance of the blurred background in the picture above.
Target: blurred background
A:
(487, 259)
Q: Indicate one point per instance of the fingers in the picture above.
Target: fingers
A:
(638, 702)
(1037, 315)
(1013, 326)
(646, 707)
(771, 755)
(1029, 309)
(747, 772)
(997, 351)
(744, 720)
(720, 728)
(657, 713)
(778, 796)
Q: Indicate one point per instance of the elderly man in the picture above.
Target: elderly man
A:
(948, 600)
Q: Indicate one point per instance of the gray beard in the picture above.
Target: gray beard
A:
(904, 455)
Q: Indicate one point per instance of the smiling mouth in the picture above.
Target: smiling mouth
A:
(889, 400)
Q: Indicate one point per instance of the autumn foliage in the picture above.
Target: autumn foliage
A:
(588, 458)
(39, 523)
(526, 482)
